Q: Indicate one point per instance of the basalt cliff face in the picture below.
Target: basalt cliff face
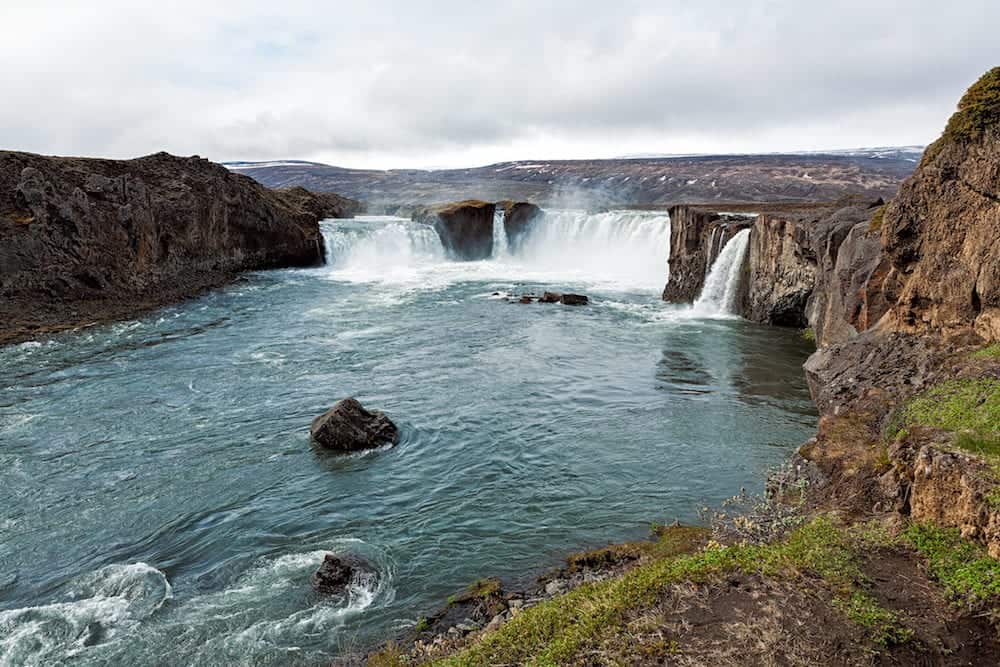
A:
(466, 227)
(84, 240)
(941, 232)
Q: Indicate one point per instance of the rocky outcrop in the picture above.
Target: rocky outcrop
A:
(696, 238)
(940, 232)
(780, 271)
(517, 221)
(86, 239)
(348, 426)
(465, 227)
(336, 573)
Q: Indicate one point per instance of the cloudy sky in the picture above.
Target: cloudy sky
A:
(426, 84)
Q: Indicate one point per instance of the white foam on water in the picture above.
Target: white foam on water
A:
(101, 606)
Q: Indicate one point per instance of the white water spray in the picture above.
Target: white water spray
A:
(718, 296)
(628, 248)
(501, 247)
(377, 247)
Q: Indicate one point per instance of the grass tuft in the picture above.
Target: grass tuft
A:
(964, 569)
(969, 408)
(989, 352)
(877, 219)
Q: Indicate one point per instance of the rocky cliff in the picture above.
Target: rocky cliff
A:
(465, 227)
(518, 219)
(84, 240)
(940, 233)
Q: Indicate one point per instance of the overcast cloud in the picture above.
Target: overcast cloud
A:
(399, 84)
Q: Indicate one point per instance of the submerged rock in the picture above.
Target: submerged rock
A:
(348, 426)
(551, 297)
(337, 572)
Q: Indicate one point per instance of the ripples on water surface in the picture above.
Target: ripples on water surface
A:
(161, 505)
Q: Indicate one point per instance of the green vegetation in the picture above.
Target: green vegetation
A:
(670, 541)
(970, 408)
(882, 624)
(481, 588)
(809, 335)
(423, 625)
(555, 631)
(989, 352)
(965, 571)
(978, 110)
(877, 219)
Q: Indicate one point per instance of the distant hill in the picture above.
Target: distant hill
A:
(795, 177)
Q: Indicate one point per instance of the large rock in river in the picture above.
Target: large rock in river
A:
(465, 227)
(348, 426)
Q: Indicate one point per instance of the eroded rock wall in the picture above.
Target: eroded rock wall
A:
(91, 239)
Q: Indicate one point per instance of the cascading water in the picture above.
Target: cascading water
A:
(376, 248)
(619, 250)
(718, 296)
(627, 248)
(500, 245)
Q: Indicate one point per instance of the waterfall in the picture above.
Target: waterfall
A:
(500, 246)
(718, 296)
(373, 247)
(616, 249)
(628, 248)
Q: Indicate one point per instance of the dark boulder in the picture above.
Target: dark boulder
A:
(574, 300)
(551, 297)
(337, 572)
(465, 227)
(348, 426)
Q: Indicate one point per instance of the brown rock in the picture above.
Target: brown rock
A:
(574, 300)
(348, 426)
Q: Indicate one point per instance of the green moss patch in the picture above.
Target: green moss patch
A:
(970, 408)
(989, 352)
(978, 110)
(963, 568)
(877, 219)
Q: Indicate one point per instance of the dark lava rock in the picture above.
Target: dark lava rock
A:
(335, 573)
(465, 227)
(348, 426)
(574, 300)
(526, 299)
(84, 240)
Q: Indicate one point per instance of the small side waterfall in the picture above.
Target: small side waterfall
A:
(501, 248)
(718, 296)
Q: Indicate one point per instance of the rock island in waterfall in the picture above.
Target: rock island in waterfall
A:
(677, 378)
